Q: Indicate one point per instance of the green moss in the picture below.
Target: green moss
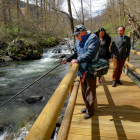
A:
(138, 47)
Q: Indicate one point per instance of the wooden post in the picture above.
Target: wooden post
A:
(64, 129)
(135, 52)
(127, 59)
(45, 123)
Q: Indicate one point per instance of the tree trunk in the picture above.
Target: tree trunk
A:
(27, 8)
(71, 18)
(4, 15)
(82, 12)
(49, 6)
(9, 13)
(41, 15)
(18, 26)
(91, 15)
(37, 12)
(45, 6)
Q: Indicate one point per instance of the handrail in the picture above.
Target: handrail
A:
(135, 52)
(65, 125)
(132, 67)
(127, 60)
(45, 123)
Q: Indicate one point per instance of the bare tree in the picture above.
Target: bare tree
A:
(82, 12)
(4, 14)
(18, 26)
(37, 11)
(132, 20)
(71, 18)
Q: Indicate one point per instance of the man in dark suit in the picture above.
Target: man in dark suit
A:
(120, 49)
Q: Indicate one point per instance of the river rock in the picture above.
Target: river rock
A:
(59, 56)
(32, 99)
(7, 58)
(1, 129)
(56, 51)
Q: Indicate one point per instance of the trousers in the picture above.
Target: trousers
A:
(117, 68)
(89, 93)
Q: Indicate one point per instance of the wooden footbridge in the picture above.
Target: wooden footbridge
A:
(117, 111)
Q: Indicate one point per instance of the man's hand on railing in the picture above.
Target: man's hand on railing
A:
(64, 61)
(74, 61)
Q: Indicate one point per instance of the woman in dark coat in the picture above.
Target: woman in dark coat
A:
(105, 41)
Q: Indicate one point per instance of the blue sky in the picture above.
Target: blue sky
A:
(97, 6)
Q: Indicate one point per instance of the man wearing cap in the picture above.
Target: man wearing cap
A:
(86, 50)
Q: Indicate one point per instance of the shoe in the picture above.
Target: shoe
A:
(119, 82)
(100, 82)
(114, 83)
(87, 116)
(83, 110)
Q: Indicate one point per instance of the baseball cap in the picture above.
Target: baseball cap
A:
(78, 29)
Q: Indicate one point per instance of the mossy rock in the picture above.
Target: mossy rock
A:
(17, 50)
(3, 45)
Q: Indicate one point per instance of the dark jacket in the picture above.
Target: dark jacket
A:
(86, 51)
(104, 47)
(121, 49)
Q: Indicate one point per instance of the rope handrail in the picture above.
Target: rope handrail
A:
(44, 125)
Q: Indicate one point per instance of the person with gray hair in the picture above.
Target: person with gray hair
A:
(86, 50)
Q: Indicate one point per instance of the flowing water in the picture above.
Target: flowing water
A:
(15, 76)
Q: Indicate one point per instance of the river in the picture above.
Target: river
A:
(15, 76)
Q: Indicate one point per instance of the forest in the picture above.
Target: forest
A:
(46, 22)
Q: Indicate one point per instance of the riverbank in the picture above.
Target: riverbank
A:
(24, 48)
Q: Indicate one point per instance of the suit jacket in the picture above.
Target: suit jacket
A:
(121, 49)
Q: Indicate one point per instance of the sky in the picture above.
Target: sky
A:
(97, 6)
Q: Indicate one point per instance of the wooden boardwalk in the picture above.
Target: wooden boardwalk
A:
(117, 112)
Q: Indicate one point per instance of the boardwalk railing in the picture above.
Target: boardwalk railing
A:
(45, 123)
(127, 60)
(130, 65)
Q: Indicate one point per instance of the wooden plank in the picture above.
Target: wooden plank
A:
(83, 137)
(134, 129)
(117, 112)
(104, 133)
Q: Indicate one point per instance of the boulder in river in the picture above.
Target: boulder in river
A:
(59, 56)
(56, 51)
(32, 99)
